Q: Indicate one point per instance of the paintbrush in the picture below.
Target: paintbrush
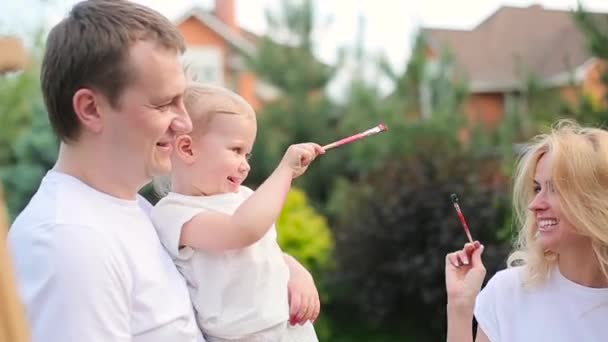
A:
(461, 216)
(378, 129)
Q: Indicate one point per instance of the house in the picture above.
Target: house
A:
(217, 48)
(13, 57)
(510, 46)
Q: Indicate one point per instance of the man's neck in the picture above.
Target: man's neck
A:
(94, 168)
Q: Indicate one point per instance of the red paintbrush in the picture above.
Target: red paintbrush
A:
(462, 220)
(378, 129)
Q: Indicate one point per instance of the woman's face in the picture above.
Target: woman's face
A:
(553, 231)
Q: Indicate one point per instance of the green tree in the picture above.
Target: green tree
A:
(18, 95)
(35, 153)
(303, 113)
(409, 130)
(28, 147)
(595, 28)
(392, 215)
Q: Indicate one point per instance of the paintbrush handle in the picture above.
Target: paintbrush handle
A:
(378, 129)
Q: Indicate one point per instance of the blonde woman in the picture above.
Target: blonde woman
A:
(559, 291)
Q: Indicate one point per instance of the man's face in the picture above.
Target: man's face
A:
(149, 115)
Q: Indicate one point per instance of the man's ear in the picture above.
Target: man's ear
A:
(184, 148)
(86, 105)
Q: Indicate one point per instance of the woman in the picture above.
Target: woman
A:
(559, 291)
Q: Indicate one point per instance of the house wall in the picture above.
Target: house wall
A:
(242, 82)
(14, 56)
(195, 33)
(486, 109)
(489, 108)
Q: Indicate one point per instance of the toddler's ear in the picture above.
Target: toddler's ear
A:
(183, 148)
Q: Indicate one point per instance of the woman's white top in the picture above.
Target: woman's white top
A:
(558, 311)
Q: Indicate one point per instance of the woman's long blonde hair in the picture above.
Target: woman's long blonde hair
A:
(580, 178)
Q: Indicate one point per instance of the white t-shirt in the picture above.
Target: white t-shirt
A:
(557, 311)
(90, 267)
(235, 293)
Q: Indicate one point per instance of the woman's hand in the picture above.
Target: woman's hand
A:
(464, 275)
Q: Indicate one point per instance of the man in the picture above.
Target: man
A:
(89, 265)
(88, 262)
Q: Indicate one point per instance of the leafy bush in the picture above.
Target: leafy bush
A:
(304, 233)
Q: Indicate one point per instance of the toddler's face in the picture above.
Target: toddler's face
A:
(222, 152)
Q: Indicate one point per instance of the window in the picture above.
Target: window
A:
(205, 63)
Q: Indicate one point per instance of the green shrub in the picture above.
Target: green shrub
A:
(304, 233)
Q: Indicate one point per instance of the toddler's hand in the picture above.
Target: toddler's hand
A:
(299, 156)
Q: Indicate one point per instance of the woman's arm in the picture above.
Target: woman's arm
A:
(460, 323)
(464, 275)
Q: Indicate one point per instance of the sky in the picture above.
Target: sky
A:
(390, 25)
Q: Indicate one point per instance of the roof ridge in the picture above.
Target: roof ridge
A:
(217, 25)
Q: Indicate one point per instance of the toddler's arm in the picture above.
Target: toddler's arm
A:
(217, 231)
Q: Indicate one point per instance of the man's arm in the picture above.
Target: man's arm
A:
(73, 285)
(304, 303)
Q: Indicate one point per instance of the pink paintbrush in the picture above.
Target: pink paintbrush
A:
(378, 129)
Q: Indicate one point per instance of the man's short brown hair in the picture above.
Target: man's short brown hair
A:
(90, 48)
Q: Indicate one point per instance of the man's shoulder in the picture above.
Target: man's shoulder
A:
(59, 196)
(62, 249)
(25, 234)
(59, 213)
